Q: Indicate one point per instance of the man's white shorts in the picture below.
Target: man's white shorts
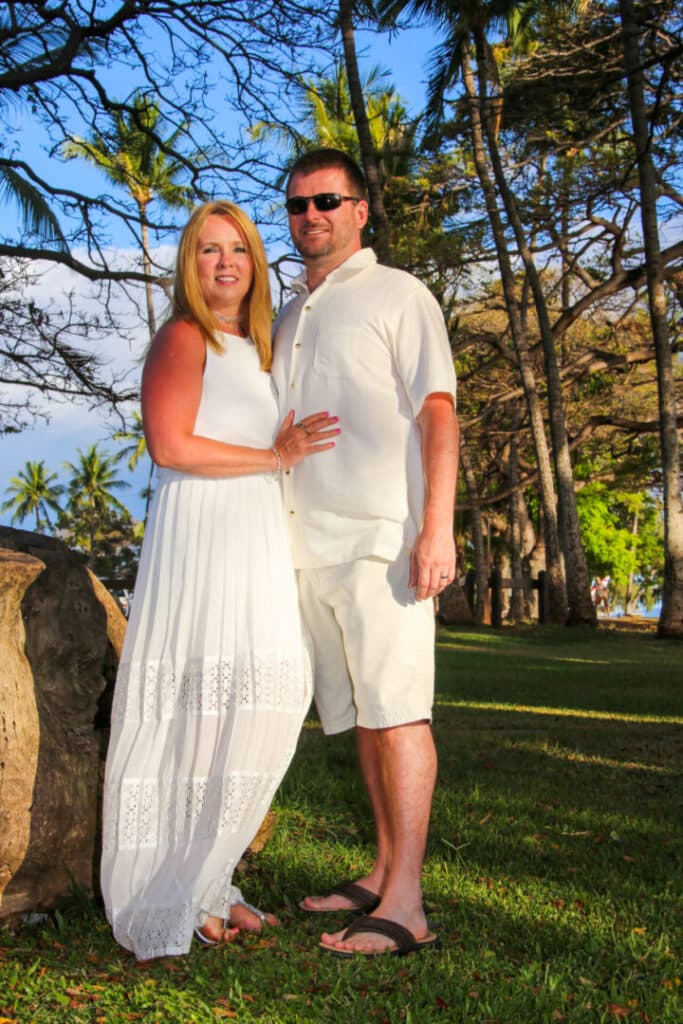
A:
(373, 644)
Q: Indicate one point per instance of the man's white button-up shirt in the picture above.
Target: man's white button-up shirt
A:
(368, 345)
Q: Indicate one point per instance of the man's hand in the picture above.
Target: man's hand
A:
(432, 562)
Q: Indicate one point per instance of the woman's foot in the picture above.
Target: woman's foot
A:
(215, 930)
(247, 918)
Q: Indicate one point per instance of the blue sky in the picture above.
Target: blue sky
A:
(71, 426)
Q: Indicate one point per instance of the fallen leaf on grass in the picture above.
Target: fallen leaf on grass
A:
(225, 1003)
(78, 993)
(559, 1016)
(219, 1012)
(487, 817)
(586, 981)
(618, 1010)
(441, 1003)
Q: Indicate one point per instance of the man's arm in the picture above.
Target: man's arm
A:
(432, 561)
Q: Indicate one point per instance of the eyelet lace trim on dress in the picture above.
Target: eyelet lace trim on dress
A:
(160, 690)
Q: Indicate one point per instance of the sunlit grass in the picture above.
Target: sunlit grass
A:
(554, 870)
(540, 709)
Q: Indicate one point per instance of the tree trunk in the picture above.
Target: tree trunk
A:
(671, 617)
(577, 580)
(630, 599)
(147, 270)
(517, 609)
(481, 567)
(453, 607)
(20, 733)
(380, 221)
(59, 657)
(557, 587)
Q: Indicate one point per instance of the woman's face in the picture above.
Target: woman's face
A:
(224, 266)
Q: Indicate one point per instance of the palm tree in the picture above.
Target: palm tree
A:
(33, 493)
(91, 498)
(467, 25)
(133, 154)
(326, 118)
(369, 160)
(37, 216)
(671, 618)
(136, 449)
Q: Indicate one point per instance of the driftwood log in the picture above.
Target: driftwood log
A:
(60, 636)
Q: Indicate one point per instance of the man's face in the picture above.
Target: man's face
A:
(326, 238)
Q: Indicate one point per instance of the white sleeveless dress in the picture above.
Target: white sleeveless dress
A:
(213, 683)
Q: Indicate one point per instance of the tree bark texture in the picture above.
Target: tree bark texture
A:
(19, 726)
(50, 701)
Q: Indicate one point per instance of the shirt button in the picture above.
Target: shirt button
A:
(297, 344)
(287, 472)
(291, 511)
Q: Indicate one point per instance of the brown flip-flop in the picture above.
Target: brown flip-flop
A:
(405, 940)
(364, 901)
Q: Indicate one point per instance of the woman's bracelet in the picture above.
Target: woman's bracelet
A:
(278, 460)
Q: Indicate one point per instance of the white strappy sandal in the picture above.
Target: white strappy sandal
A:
(237, 899)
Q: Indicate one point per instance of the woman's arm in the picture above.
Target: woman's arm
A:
(171, 392)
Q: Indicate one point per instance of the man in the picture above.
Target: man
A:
(371, 526)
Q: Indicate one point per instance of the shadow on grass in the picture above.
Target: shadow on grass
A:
(592, 803)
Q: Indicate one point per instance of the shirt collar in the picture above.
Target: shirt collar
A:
(349, 268)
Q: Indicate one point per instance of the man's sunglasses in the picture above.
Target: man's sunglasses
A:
(323, 201)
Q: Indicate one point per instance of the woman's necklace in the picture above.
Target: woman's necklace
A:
(228, 319)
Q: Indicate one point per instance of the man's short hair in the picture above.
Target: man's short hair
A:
(327, 158)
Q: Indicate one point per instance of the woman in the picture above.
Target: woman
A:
(214, 678)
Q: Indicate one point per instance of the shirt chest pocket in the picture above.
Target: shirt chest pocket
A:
(364, 360)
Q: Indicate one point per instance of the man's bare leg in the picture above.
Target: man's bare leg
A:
(403, 759)
(374, 881)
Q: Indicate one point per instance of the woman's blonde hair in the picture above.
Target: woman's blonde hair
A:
(188, 301)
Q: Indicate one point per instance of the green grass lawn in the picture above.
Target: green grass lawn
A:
(554, 872)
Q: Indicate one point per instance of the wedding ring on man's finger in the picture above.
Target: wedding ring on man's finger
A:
(444, 577)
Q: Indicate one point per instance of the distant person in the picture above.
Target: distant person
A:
(215, 677)
(372, 529)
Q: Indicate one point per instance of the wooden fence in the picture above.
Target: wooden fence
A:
(493, 601)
